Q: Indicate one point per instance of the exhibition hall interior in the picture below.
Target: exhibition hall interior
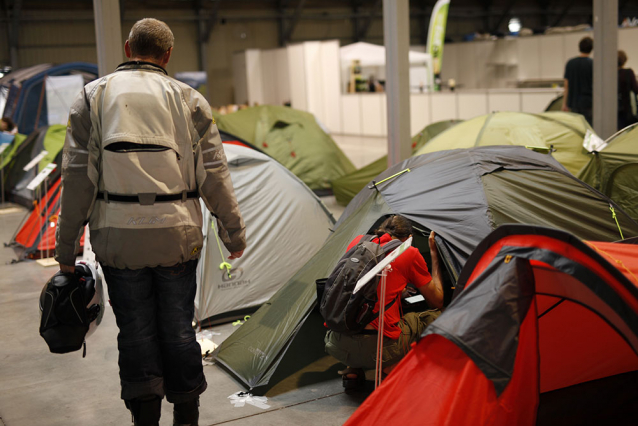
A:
(318, 212)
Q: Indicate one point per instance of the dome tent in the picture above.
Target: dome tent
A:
(545, 331)
(564, 131)
(614, 170)
(462, 195)
(294, 139)
(346, 187)
(284, 220)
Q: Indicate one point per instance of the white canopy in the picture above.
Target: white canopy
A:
(372, 55)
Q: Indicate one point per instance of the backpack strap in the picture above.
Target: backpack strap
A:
(147, 199)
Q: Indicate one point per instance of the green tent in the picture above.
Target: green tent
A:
(555, 105)
(564, 131)
(346, 187)
(462, 195)
(294, 139)
(10, 152)
(614, 170)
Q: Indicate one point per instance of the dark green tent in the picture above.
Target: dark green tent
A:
(346, 187)
(462, 195)
(294, 139)
(614, 170)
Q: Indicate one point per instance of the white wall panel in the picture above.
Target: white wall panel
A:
(628, 41)
(313, 70)
(467, 78)
(371, 113)
(443, 106)
(419, 112)
(452, 61)
(297, 76)
(384, 114)
(331, 80)
(552, 56)
(471, 105)
(570, 43)
(503, 102)
(529, 64)
(351, 110)
(269, 77)
(240, 81)
(282, 78)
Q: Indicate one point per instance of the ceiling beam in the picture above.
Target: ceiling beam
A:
(563, 13)
(295, 19)
(363, 31)
(503, 16)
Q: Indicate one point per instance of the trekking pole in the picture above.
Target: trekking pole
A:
(379, 364)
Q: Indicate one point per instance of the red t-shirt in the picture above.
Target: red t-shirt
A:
(411, 268)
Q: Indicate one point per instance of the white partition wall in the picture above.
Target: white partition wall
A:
(371, 107)
(419, 112)
(471, 104)
(504, 101)
(240, 79)
(331, 114)
(297, 77)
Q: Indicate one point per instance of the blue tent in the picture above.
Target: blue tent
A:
(26, 99)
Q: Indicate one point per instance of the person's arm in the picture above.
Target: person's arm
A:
(213, 180)
(565, 93)
(633, 82)
(78, 191)
(431, 290)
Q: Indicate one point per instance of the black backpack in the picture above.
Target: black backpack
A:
(343, 311)
(65, 317)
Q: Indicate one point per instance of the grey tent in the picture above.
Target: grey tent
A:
(282, 216)
(462, 195)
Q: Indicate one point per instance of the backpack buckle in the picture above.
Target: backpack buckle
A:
(147, 199)
(184, 196)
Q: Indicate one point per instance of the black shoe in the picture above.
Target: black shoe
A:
(186, 413)
(146, 411)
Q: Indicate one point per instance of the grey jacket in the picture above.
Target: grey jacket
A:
(137, 134)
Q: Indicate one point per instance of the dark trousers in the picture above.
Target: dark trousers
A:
(154, 309)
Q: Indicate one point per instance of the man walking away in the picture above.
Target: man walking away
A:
(140, 150)
(579, 81)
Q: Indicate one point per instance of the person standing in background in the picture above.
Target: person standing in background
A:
(627, 90)
(579, 81)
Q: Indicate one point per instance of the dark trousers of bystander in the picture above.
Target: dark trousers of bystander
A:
(158, 352)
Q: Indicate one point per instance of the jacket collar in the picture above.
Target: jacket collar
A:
(140, 65)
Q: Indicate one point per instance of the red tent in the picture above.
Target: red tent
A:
(37, 233)
(544, 330)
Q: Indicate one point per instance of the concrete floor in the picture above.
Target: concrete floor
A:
(40, 388)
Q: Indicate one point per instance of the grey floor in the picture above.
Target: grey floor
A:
(40, 388)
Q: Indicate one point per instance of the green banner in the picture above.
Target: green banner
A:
(436, 38)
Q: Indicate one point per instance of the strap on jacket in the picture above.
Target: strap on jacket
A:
(147, 199)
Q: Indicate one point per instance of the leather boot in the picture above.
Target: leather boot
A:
(146, 411)
(186, 413)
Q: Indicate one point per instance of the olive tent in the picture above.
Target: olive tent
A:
(545, 332)
(564, 131)
(283, 217)
(294, 139)
(346, 187)
(462, 195)
(614, 170)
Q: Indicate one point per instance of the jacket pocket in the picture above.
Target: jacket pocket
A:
(130, 168)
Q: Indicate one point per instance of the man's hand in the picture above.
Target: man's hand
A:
(67, 269)
(235, 254)
(565, 108)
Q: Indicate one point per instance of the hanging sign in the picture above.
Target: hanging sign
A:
(35, 161)
(41, 176)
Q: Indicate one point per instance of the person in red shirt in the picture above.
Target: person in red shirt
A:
(358, 351)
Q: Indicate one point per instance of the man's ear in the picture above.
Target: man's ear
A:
(167, 57)
(127, 50)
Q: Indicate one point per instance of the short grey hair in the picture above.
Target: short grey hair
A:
(150, 37)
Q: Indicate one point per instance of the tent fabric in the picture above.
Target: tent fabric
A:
(540, 311)
(614, 170)
(446, 192)
(26, 103)
(49, 139)
(555, 105)
(374, 55)
(564, 131)
(281, 214)
(36, 235)
(294, 139)
(346, 187)
(10, 152)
